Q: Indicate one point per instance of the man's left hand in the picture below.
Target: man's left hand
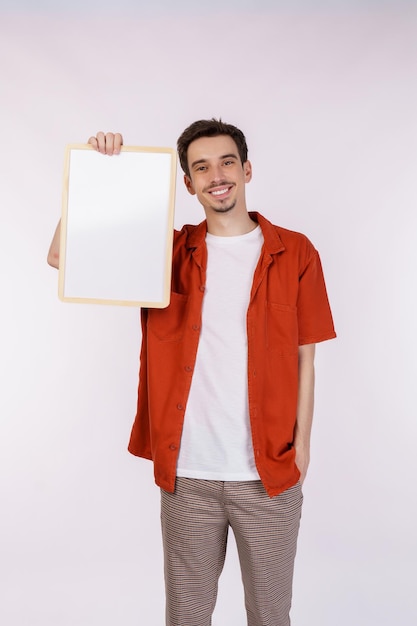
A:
(302, 460)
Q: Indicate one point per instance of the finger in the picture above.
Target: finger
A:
(109, 143)
(101, 142)
(93, 142)
(118, 142)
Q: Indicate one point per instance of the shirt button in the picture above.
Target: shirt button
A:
(172, 447)
(188, 368)
(180, 407)
(202, 288)
(196, 327)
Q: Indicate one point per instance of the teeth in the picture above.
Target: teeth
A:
(219, 193)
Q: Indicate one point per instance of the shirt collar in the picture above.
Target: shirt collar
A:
(272, 241)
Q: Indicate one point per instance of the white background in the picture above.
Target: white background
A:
(326, 95)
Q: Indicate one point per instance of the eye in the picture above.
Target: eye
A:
(228, 162)
(201, 168)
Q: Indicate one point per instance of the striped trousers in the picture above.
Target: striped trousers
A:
(195, 521)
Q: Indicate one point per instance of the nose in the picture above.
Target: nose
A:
(216, 174)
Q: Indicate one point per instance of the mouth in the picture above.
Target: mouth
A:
(220, 191)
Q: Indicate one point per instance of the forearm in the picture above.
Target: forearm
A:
(53, 254)
(305, 408)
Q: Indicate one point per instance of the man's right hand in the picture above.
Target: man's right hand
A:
(108, 143)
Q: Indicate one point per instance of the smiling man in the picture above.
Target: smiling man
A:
(226, 383)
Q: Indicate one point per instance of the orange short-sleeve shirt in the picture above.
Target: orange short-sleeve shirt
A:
(288, 307)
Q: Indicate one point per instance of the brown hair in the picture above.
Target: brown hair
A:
(209, 128)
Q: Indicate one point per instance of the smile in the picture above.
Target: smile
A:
(218, 193)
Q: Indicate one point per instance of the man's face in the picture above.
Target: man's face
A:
(217, 176)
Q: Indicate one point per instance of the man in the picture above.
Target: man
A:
(225, 401)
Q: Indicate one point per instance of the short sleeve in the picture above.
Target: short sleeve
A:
(315, 321)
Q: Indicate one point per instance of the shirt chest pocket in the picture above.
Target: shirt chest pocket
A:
(282, 328)
(168, 324)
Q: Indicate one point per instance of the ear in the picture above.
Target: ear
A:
(247, 168)
(188, 183)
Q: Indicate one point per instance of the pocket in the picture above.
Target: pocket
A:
(168, 324)
(282, 328)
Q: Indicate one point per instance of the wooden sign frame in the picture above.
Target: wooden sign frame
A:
(117, 226)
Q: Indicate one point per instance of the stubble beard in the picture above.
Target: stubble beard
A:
(226, 208)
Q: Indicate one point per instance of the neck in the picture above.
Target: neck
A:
(229, 225)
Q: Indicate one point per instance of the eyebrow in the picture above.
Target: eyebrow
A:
(224, 156)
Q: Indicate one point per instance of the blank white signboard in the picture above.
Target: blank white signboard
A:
(117, 226)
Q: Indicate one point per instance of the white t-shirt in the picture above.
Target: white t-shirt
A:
(216, 442)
